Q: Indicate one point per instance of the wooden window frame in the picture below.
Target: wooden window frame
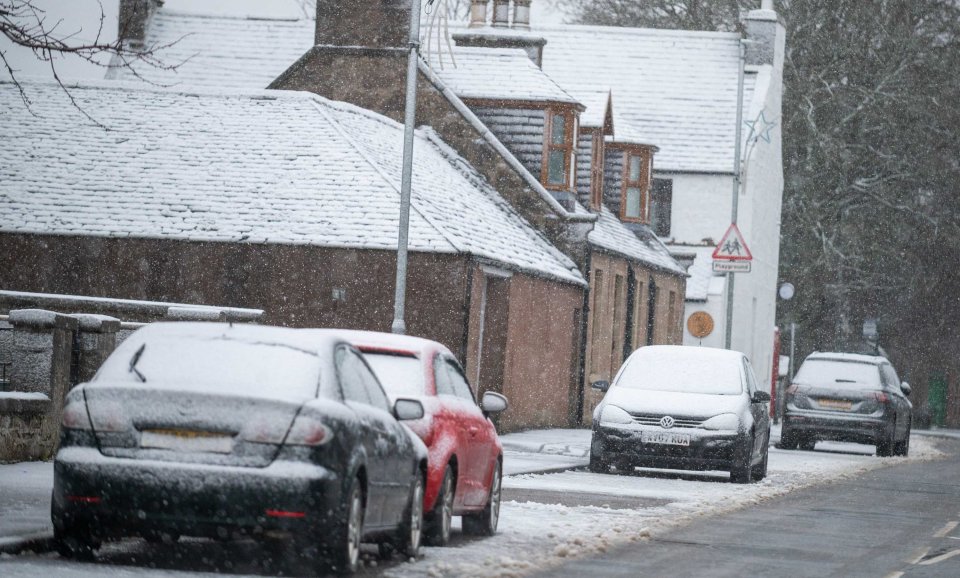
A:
(597, 156)
(643, 183)
(568, 147)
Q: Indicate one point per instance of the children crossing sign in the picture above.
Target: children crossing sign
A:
(732, 254)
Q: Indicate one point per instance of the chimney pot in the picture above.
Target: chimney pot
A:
(521, 14)
(478, 13)
(501, 13)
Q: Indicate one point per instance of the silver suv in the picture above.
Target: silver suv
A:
(847, 397)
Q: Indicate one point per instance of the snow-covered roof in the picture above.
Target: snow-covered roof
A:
(675, 89)
(612, 235)
(495, 73)
(262, 167)
(220, 51)
(702, 281)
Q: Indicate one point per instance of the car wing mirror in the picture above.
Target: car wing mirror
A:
(493, 403)
(761, 397)
(905, 388)
(601, 385)
(407, 409)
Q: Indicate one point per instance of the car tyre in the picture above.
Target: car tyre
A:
(742, 472)
(75, 545)
(788, 440)
(411, 531)
(886, 444)
(344, 554)
(760, 470)
(902, 448)
(808, 444)
(598, 463)
(440, 519)
(484, 523)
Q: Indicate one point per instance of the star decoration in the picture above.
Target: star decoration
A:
(760, 128)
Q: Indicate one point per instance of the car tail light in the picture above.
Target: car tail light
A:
(75, 417)
(109, 417)
(284, 513)
(881, 396)
(84, 499)
(792, 389)
(308, 431)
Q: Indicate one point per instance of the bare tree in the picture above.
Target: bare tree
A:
(675, 14)
(25, 24)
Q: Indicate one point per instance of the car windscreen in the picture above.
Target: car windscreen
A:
(215, 364)
(400, 374)
(836, 373)
(721, 377)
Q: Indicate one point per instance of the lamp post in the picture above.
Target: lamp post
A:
(399, 326)
(786, 293)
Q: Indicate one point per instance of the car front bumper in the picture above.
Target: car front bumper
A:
(115, 497)
(866, 429)
(708, 450)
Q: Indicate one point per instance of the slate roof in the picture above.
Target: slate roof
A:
(671, 88)
(611, 235)
(263, 167)
(221, 52)
(495, 73)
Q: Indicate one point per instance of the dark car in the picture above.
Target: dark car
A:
(222, 430)
(847, 397)
(465, 454)
(691, 408)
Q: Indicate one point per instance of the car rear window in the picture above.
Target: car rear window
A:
(217, 365)
(721, 377)
(838, 373)
(400, 374)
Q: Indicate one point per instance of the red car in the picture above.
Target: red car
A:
(464, 453)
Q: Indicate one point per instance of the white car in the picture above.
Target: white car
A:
(692, 408)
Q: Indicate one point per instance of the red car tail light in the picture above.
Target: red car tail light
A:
(75, 417)
(881, 396)
(84, 499)
(109, 417)
(307, 431)
(284, 514)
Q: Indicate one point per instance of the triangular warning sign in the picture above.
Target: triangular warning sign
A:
(732, 247)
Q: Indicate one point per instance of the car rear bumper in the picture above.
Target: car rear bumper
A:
(707, 451)
(114, 497)
(837, 427)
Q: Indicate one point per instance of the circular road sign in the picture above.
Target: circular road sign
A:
(786, 291)
(700, 324)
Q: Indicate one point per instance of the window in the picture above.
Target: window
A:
(461, 388)
(444, 383)
(636, 175)
(558, 150)
(357, 382)
(661, 204)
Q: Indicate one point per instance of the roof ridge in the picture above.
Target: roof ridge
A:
(380, 171)
(241, 17)
(638, 29)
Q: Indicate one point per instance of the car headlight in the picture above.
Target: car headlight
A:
(614, 414)
(725, 421)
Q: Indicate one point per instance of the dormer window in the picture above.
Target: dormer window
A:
(636, 185)
(558, 151)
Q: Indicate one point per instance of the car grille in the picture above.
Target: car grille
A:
(647, 419)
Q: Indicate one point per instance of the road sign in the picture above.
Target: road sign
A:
(731, 266)
(700, 324)
(732, 247)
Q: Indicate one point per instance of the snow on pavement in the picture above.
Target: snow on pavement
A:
(534, 536)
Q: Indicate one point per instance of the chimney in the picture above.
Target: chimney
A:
(764, 35)
(478, 13)
(366, 23)
(496, 35)
(501, 13)
(133, 19)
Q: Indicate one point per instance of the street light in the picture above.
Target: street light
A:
(786, 292)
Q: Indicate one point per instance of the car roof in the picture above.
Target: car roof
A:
(687, 352)
(379, 340)
(241, 331)
(848, 357)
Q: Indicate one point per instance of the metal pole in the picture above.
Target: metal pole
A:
(793, 350)
(736, 192)
(410, 114)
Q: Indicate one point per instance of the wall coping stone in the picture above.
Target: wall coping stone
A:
(24, 404)
(39, 319)
(94, 323)
(195, 314)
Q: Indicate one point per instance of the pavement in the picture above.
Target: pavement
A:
(26, 487)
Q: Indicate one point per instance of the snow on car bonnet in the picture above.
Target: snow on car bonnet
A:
(684, 370)
(253, 361)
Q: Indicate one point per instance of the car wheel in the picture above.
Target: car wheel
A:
(760, 470)
(788, 440)
(885, 445)
(742, 472)
(598, 463)
(902, 448)
(345, 546)
(808, 444)
(484, 523)
(412, 528)
(75, 545)
(441, 518)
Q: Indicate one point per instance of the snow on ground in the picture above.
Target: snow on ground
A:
(535, 536)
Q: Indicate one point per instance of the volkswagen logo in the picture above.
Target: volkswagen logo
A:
(666, 422)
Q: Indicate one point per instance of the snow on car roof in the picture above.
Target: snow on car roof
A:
(377, 339)
(850, 357)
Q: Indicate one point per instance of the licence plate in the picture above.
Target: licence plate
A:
(673, 439)
(186, 441)
(836, 404)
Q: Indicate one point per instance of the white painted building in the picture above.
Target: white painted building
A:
(678, 90)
